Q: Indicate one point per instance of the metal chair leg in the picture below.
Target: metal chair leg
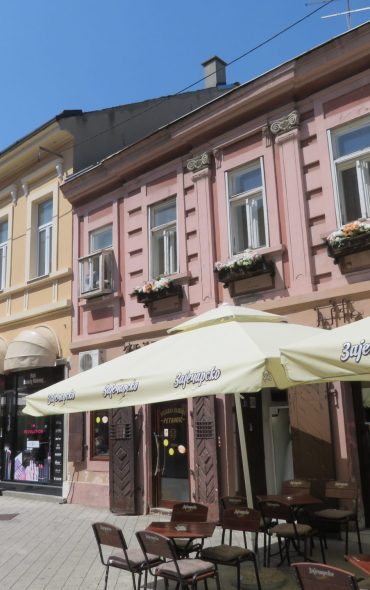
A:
(322, 549)
(346, 538)
(217, 578)
(106, 577)
(358, 536)
(134, 581)
(257, 573)
(238, 576)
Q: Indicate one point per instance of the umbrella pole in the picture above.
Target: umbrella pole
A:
(243, 449)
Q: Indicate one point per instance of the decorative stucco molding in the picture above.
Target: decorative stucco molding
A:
(14, 195)
(24, 186)
(59, 169)
(285, 124)
(217, 154)
(198, 162)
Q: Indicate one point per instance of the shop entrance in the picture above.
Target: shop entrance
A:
(170, 453)
(361, 404)
(31, 449)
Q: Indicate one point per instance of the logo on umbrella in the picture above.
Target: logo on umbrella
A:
(184, 379)
(355, 351)
(60, 398)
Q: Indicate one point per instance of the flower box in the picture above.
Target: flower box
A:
(349, 240)
(244, 274)
(153, 291)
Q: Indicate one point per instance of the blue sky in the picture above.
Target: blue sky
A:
(89, 54)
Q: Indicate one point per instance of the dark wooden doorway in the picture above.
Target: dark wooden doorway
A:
(170, 453)
(361, 400)
(253, 429)
(122, 476)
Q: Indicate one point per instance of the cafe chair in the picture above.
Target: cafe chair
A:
(295, 487)
(129, 560)
(185, 572)
(338, 516)
(290, 532)
(228, 502)
(184, 512)
(242, 519)
(319, 576)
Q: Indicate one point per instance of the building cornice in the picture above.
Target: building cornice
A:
(311, 72)
(41, 313)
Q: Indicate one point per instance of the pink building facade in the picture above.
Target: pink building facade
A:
(272, 167)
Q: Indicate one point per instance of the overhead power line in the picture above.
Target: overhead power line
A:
(161, 101)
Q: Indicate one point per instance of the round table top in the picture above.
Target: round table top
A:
(187, 530)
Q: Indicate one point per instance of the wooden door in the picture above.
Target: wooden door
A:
(122, 461)
(360, 395)
(170, 453)
(205, 448)
(253, 429)
(312, 445)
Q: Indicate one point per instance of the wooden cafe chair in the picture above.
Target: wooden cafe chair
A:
(109, 537)
(320, 576)
(340, 516)
(185, 572)
(184, 512)
(289, 532)
(236, 519)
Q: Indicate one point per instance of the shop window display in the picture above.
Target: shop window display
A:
(100, 434)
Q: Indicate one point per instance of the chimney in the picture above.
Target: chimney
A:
(214, 72)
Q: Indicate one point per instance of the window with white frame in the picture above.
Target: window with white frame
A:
(3, 252)
(351, 161)
(44, 237)
(247, 209)
(96, 269)
(163, 238)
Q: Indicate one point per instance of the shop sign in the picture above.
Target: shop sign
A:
(33, 444)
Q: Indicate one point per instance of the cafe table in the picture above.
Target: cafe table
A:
(183, 530)
(294, 500)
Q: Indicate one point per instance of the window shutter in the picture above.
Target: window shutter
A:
(76, 442)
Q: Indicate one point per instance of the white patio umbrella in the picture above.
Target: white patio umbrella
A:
(226, 350)
(341, 354)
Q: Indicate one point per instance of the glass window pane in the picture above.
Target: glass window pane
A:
(239, 228)
(3, 232)
(172, 254)
(2, 267)
(353, 141)
(351, 197)
(165, 213)
(45, 212)
(245, 179)
(100, 434)
(158, 263)
(101, 238)
(96, 271)
(261, 223)
(42, 253)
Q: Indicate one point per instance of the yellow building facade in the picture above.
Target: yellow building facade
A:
(35, 303)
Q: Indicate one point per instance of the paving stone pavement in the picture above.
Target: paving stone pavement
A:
(50, 546)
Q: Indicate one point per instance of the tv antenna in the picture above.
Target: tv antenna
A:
(347, 13)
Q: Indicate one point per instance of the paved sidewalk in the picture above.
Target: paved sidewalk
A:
(49, 546)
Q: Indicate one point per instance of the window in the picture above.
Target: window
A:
(96, 269)
(100, 434)
(351, 160)
(3, 252)
(246, 208)
(163, 239)
(44, 237)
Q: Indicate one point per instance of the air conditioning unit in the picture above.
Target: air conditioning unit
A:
(89, 359)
